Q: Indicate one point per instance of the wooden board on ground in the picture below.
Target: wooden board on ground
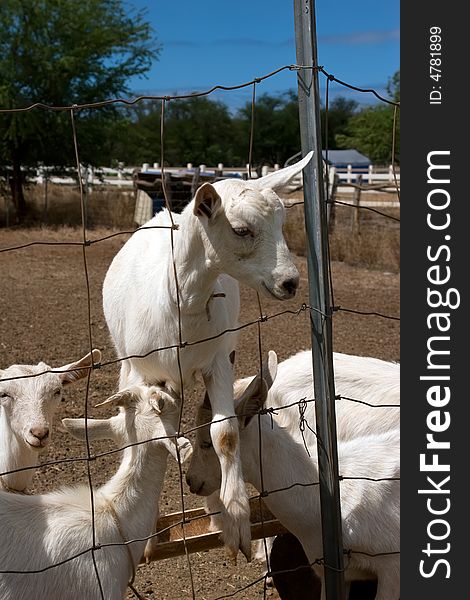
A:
(194, 534)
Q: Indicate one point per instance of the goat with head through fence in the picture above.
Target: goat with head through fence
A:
(366, 388)
(43, 530)
(29, 398)
(169, 288)
(369, 509)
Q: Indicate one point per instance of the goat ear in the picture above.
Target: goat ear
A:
(157, 400)
(268, 372)
(184, 450)
(269, 368)
(206, 201)
(98, 429)
(253, 398)
(278, 179)
(251, 401)
(125, 398)
(78, 370)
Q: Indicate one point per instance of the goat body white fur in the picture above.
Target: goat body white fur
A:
(370, 510)
(362, 378)
(29, 398)
(42, 530)
(231, 231)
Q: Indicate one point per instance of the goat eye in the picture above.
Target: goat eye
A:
(58, 393)
(4, 395)
(206, 445)
(241, 231)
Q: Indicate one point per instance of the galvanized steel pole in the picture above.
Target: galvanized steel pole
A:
(319, 295)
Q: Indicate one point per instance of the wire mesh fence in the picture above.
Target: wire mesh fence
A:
(256, 325)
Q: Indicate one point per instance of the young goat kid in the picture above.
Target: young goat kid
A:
(231, 231)
(40, 531)
(370, 509)
(29, 398)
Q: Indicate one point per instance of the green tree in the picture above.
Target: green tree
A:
(375, 129)
(335, 120)
(276, 134)
(202, 130)
(371, 132)
(196, 130)
(393, 87)
(60, 53)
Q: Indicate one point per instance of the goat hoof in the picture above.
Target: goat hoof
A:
(232, 557)
(148, 552)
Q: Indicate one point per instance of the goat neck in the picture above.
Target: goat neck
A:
(141, 473)
(196, 271)
(20, 458)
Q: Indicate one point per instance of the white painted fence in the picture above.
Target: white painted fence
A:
(349, 175)
(123, 177)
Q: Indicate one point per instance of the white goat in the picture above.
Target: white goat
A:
(370, 380)
(370, 509)
(231, 231)
(42, 530)
(29, 397)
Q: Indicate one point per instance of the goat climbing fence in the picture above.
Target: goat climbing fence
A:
(179, 533)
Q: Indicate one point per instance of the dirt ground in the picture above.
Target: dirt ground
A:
(44, 316)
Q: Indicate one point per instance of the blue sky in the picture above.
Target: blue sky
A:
(214, 42)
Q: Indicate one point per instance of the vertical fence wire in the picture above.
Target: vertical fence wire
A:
(85, 269)
(180, 344)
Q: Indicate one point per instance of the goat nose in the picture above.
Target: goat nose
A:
(41, 433)
(194, 485)
(290, 285)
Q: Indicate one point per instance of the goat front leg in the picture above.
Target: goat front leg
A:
(236, 531)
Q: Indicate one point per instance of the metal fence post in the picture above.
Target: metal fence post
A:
(319, 295)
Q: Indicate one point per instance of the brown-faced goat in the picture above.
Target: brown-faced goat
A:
(273, 460)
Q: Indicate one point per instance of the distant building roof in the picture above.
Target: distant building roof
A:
(343, 158)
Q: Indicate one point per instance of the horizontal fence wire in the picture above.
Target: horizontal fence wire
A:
(272, 410)
(362, 207)
(293, 67)
(89, 457)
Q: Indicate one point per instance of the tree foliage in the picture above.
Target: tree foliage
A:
(372, 130)
(60, 53)
(335, 119)
(202, 130)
